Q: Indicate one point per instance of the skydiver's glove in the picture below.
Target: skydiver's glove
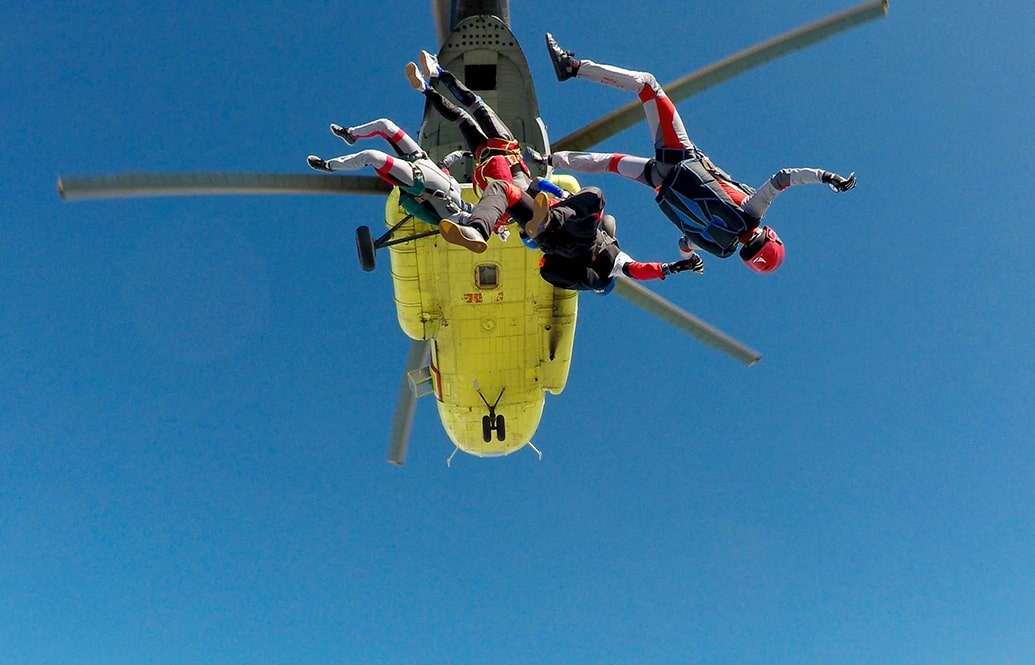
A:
(839, 183)
(453, 158)
(531, 155)
(694, 263)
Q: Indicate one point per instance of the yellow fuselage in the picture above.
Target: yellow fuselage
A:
(494, 325)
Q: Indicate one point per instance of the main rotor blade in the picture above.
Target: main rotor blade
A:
(704, 333)
(701, 80)
(403, 419)
(193, 184)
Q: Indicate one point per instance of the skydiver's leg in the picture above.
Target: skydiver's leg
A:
(662, 117)
(490, 123)
(401, 142)
(394, 171)
(628, 166)
(469, 129)
(501, 197)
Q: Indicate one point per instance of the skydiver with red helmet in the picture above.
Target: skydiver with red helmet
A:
(714, 212)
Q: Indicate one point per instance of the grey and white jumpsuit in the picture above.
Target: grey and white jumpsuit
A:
(410, 170)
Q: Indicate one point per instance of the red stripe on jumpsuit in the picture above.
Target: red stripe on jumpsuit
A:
(666, 113)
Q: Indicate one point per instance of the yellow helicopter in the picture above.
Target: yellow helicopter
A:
(490, 337)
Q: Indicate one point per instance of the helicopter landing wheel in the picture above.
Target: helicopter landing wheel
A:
(365, 248)
(486, 429)
(501, 428)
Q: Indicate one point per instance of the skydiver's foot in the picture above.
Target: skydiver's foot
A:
(540, 216)
(318, 164)
(564, 62)
(414, 77)
(430, 64)
(465, 236)
(343, 134)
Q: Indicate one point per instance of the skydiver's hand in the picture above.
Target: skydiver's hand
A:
(839, 183)
(533, 156)
(694, 262)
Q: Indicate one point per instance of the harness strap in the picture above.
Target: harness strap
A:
(418, 183)
(674, 155)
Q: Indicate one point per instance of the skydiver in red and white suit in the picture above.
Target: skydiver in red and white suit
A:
(714, 212)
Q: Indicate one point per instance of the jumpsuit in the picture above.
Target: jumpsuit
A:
(426, 190)
(497, 154)
(719, 211)
(577, 253)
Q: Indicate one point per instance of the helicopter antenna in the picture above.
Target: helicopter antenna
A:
(537, 452)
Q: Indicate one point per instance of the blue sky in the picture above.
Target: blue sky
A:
(196, 394)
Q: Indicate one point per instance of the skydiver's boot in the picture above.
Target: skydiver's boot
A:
(414, 77)
(343, 134)
(540, 216)
(429, 63)
(465, 236)
(564, 62)
(318, 164)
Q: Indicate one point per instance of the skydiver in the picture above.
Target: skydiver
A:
(714, 212)
(579, 251)
(497, 154)
(426, 190)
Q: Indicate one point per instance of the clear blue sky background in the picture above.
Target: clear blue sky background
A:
(195, 394)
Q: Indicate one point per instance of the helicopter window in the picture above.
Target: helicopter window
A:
(486, 276)
(480, 77)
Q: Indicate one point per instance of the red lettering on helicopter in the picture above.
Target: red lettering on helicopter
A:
(472, 298)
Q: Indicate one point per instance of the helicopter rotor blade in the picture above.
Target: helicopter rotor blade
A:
(403, 419)
(701, 80)
(191, 184)
(704, 333)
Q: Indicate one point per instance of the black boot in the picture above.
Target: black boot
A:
(343, 134)
(564, 62)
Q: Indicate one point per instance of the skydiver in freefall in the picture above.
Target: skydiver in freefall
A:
(580, 251)
(426, 190)
(497, 154)
(713, 212)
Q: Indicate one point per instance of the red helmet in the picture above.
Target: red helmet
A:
(762, 250)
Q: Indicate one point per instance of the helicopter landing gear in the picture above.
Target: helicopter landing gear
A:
(493, 421)
(365, 248)
(367, 245)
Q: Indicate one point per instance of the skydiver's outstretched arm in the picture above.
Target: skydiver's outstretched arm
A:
(757, 203)
(625, 265)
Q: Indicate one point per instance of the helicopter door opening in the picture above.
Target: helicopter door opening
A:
(480, 77)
